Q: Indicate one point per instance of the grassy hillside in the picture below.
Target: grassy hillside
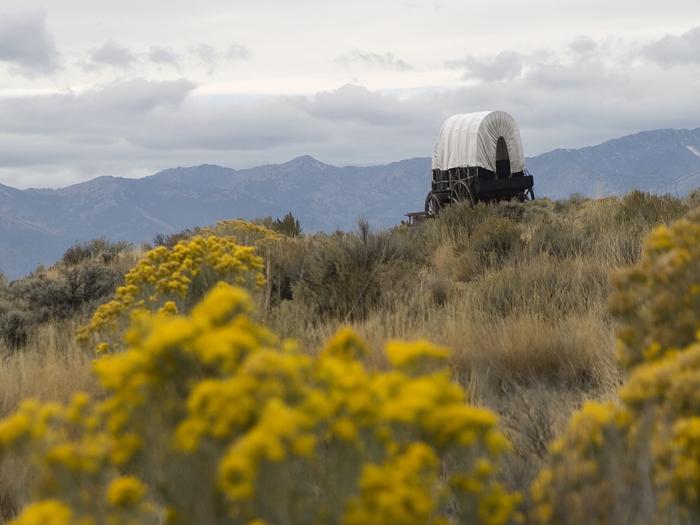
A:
(518, 292)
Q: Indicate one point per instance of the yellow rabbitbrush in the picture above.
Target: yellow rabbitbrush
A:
(173, 280)
(638, 461)
(657, 301)
(210, 418)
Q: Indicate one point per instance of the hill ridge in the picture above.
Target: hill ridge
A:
(38, 225)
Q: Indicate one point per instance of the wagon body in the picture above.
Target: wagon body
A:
(478, 157)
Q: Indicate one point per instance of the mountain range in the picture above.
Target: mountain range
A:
(38, 225)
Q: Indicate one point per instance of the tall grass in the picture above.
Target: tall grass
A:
(51, 367)
(517, 291)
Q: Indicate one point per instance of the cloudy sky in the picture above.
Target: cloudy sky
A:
(127, 88)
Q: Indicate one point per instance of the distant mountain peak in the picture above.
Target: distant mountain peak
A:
(305, 161)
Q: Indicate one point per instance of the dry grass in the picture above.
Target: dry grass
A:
(518, 292)
(51, 368)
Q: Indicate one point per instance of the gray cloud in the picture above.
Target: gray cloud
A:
(211, 56)
(238, 52)
(27, 45)
(583, 95)
(207, 54)
(164, 56)
(139, 126)
(673, 50)
(94, 115)
(112, 54)
(359, 104)
(131, 124)
(584, 47)
(505, 65)
(384, 61)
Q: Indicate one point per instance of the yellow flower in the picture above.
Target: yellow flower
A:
(125, 491)
(209, 393)
(417, 356)
(47, 512)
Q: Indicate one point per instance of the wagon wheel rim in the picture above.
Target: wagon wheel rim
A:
(461, 193)
(432, 204)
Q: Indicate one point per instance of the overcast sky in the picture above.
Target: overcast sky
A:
(127, 88)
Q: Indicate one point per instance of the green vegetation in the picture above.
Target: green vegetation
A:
(519, 293)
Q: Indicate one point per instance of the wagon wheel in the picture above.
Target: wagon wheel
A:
(461, 193)
(432, 205)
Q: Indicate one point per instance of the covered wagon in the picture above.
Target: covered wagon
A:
(478, 157)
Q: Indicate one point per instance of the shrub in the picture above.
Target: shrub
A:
(173, 280)
(461, 220)
(640, 461)
(349, 275)
(14, 328)
(558, 237)
(287, 225)
(495, 241)
(89, 283)
(439, 289)
(648, 210)
(244, 232)
(693, 199)
(100, 249)
(208, 418)
(595, 473)
(658, 301)
(541, 286)
(66, 291)
(170, 240)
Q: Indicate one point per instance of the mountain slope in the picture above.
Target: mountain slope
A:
(660, 161)
(36, 226)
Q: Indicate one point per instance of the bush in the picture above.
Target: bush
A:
(558, 237)
(460, 221)
(349, 275)
(208, 418)
(88, 284)
(67, 291)
(172, 280)
(494, 242)
(693, 199)
(640, 461)
(15, 328)
(98, 249)
(170, 240)
(542, 286)
(648, 210)
(658, 301)
(287, 225)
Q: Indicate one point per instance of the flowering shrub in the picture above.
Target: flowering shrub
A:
(210, 418)
(594, 472)
(658, 300)
(245, 232)
(173, 280)
(640, 461)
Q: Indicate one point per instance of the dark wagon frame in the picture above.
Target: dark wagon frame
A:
(473, 183)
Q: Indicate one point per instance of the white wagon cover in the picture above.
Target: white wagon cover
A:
(471, 140)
